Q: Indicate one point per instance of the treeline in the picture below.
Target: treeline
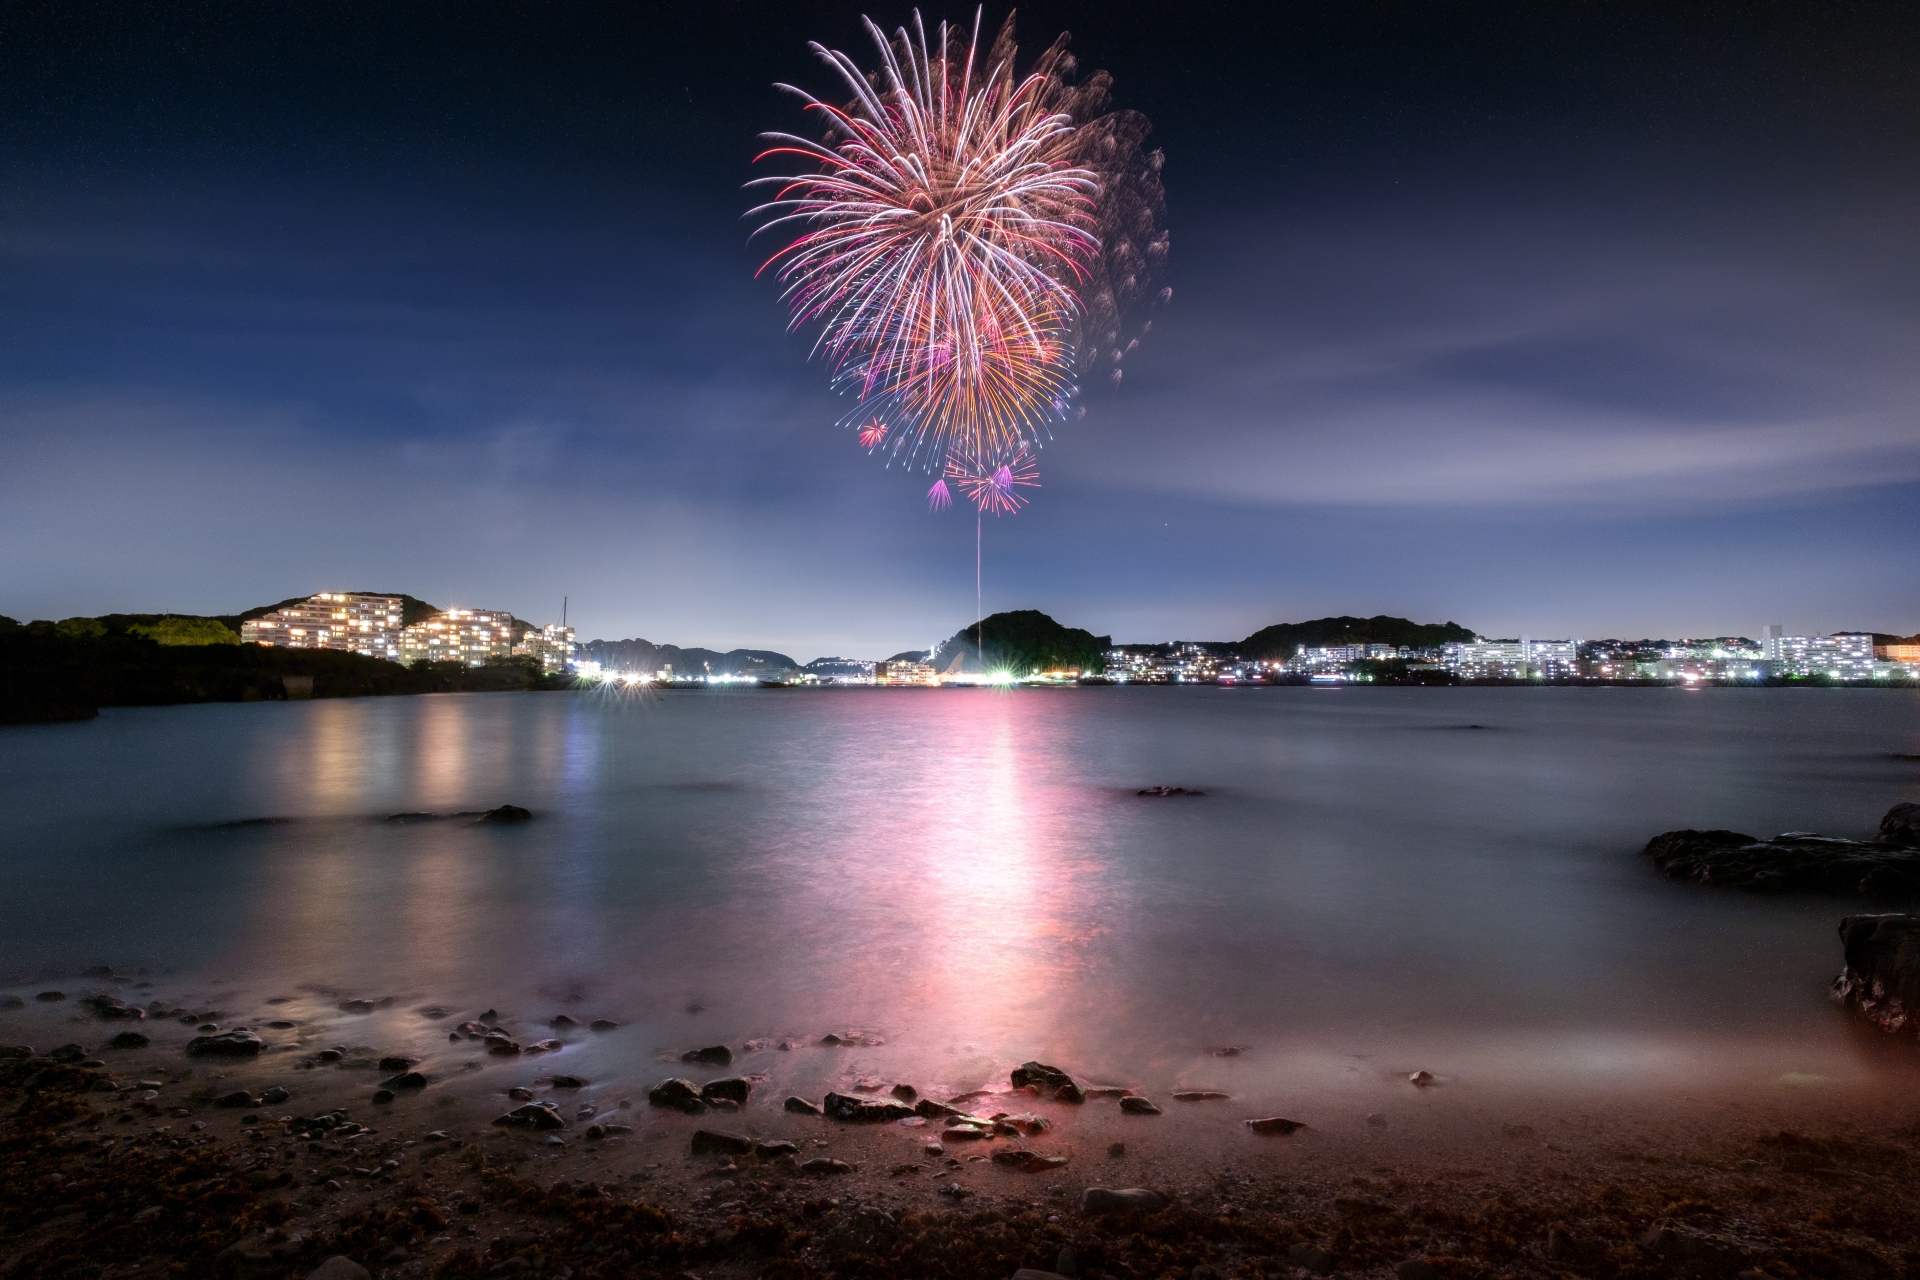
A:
(51, 671)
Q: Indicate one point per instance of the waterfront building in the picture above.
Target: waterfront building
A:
(905, 672)
(552, 644)
(1902, 652)
(1847, 655)
(349, 621)
(1521, 659)
(470, 636)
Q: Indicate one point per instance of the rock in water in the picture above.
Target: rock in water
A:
(533, 1115)
(1276, 1124)
(1028, 1161)
(1137, 1106)
(227, 1044)
(864, 1110)
(1901, 825)
(1796, 861)
(1048, 1082)
(714, 1055)
(682, 1095)
(801, 1107)
(1105, 1201)
(733, 1089)
(507, 813)
(128, 1040)
(1881, 979)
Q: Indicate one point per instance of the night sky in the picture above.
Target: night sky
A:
(1565, 319)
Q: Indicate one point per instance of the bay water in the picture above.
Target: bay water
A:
(1376, 881)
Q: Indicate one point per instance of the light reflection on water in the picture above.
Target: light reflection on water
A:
(1369, 886)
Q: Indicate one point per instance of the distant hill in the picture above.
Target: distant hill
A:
(1281, 639)
(644, 655)
(839, 667)
(1023, 641)
(411, 610)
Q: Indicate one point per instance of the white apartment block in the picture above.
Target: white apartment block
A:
(470, 636)
(552, 644)
(346, 621)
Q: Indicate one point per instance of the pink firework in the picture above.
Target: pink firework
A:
(993, 487)
(939, 497)
(872, 434)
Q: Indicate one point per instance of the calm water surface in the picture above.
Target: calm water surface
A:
(1370, 884)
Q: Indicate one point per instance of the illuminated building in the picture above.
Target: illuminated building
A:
(905, 673)
(1897, 652)
(1514, 659)
(470, 636)
(1845, 656)
(347, 621)
(552, 644)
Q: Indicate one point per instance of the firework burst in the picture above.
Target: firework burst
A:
(873, 434)
(945, 231)
(992, 486)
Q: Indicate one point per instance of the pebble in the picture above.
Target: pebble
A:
(128, 1040)
(569, 1082)
(51, 995)
(382, 1096)
(825, 1165)
(733, 1088)
(1138, 1107)
(603, 1024)
(1201, 1095)
(519, 1094)
(717, 1055)
(1420, 1079)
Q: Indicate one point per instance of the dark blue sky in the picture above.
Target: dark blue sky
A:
(1590, 320)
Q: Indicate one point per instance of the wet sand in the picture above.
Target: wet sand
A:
(1808, 1178)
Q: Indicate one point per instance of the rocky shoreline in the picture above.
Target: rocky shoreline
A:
(1797, 861)
(170, 1142)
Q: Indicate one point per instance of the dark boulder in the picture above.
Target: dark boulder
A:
(1881, 978)
(238, 1043)
(733, 1089)
(1048, 1082)
(864, 1110)
(714, 1142)
(718, 1055)
(682, 1095)
(128, 1040)
(405, 1080)
(398, 1063)
(603, 1024)
(1796, 861)
(801, 1107)
(1901, 825)
(238, 1098)
(507, 813)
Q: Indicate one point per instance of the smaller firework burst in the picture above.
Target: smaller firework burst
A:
(872, 434)
(993, 486)
(939, 497)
